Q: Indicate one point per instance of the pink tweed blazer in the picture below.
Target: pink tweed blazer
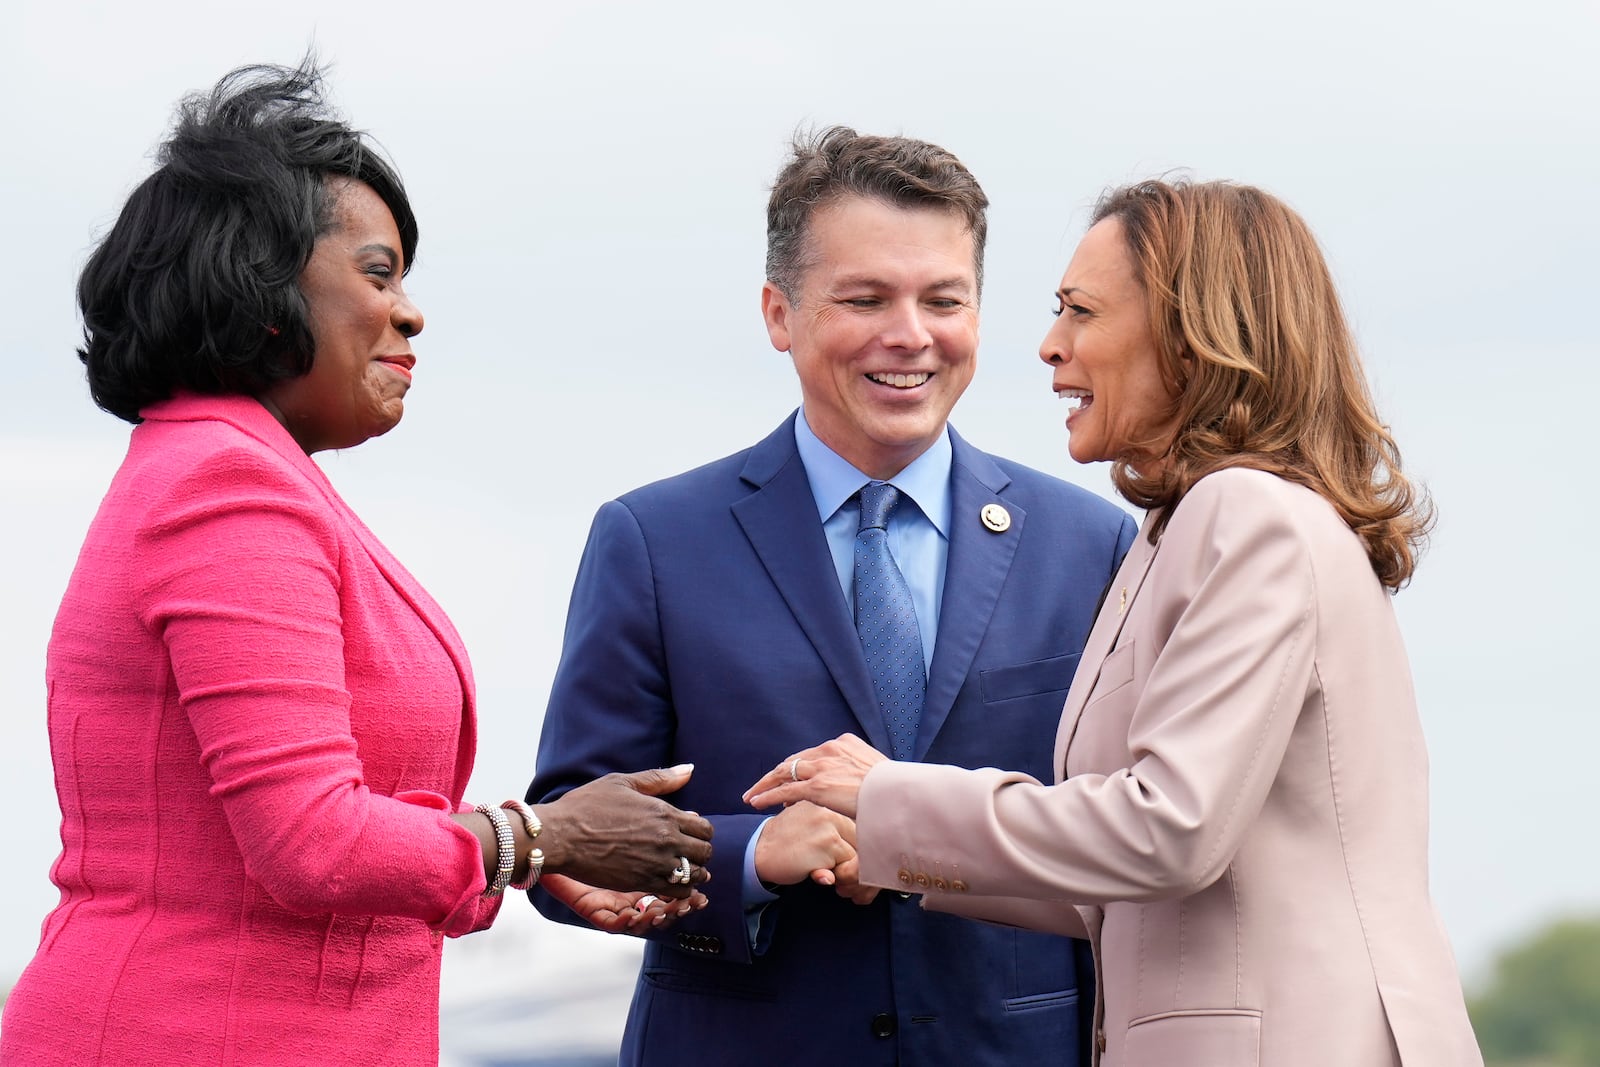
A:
(1241, 823)
(260, 724)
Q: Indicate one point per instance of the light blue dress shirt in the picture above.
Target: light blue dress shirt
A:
(919, 541)
(919, 537)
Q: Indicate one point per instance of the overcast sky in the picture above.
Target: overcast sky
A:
(590, 181)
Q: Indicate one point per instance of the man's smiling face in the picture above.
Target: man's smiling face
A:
(883, 330)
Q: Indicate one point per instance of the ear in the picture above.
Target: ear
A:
(775, 309)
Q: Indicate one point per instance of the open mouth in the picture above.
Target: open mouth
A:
(900, 381)
(1080, 398)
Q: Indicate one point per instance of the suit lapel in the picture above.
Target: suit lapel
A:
(975, 571)
(1103, 637)
(780, 520)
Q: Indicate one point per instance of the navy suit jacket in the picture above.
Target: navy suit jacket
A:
(707, 626)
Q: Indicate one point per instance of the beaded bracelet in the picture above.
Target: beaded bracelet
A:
(536, 855)
(506, 844)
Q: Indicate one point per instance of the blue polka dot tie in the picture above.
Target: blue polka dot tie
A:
(887, 622)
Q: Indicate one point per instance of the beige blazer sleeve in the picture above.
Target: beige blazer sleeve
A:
(1204, 725)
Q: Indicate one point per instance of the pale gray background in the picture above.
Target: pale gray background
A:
(590, 180)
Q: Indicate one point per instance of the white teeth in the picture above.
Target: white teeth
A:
(901, 381)
(1083, 397)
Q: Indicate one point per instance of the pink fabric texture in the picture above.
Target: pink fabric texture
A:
(259, 724)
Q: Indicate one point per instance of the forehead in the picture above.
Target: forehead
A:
(868, 237)
(358, 208)
(1101, 262)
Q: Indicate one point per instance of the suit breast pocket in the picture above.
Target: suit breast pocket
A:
(1116, 671)
(1100, 742)
(1041, 676)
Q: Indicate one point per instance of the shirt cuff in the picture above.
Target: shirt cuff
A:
(754, 895)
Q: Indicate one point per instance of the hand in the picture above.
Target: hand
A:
(829, 775)
(620, 913)
(847, 882)
(804, 841)
(613, 833)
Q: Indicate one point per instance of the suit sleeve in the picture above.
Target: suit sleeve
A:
(1234, 587)
(241, 585)
(611, 710)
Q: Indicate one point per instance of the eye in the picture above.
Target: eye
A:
(1076, 309)
(945, 303)
(862, 301)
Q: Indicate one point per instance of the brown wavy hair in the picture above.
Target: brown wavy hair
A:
(1262, 366)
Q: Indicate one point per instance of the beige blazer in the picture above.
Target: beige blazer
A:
(1242, 829)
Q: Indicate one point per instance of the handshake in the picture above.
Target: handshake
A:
(813, 836)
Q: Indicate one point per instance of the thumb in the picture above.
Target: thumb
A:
(660, 780)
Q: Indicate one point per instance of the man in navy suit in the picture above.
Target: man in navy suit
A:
(713, 623)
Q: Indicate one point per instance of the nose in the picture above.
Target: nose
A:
(1053, 349)
(406, 316)
(905, 329)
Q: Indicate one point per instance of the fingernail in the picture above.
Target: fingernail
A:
(682, 768)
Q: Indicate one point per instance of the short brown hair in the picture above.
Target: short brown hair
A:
(828, 164)
(1253, 340)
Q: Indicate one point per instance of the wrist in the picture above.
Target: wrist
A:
(557, 849)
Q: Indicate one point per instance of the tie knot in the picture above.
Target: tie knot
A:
(877, 501)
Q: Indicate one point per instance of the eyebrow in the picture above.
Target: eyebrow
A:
(1069, 290)
(872, 282)
(379, 246)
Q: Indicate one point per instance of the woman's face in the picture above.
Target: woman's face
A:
(1104, 357)
(362, 323)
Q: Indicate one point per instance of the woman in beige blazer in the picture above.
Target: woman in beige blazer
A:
(1240, 825)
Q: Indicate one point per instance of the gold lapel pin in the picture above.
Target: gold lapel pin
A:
(1122, 602)
(996, 519)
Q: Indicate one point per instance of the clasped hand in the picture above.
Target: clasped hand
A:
(814, 836)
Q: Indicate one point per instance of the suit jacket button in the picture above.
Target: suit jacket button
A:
(883, 1025)
(959, 886)
(922, 880)
(940, 883)
(904, 875)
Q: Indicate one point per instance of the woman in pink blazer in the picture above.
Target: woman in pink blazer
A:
(1239, 825)
(261, 725)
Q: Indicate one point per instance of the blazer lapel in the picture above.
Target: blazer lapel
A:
(975, 571)
(780, 520)
(249, 416)
(1103, 637)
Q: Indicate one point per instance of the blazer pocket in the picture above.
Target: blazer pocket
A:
(1053, 675)
(1116, 671)
(1226, 1035)
(675, 981)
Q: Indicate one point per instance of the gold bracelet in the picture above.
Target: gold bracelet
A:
(536, 855)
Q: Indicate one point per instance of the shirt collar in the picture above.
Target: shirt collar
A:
(834, 480)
